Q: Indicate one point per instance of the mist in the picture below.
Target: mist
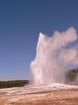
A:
(54, 57)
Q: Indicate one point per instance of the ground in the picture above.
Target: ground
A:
(52, 97)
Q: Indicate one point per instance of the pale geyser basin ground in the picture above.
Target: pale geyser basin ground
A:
(53, 94)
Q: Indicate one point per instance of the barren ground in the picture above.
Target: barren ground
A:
(55, 97)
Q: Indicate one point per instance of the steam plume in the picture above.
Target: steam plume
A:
(53, 57)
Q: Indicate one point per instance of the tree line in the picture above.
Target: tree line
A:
(13, 83)
(71, 75)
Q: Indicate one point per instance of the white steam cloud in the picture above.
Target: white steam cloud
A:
(53, 58)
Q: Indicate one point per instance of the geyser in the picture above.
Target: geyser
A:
(54, 57)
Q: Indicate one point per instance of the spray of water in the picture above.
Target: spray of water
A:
(53, 57)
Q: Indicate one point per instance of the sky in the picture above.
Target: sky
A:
(21, 21)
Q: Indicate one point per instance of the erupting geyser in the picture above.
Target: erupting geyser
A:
(54, 56)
